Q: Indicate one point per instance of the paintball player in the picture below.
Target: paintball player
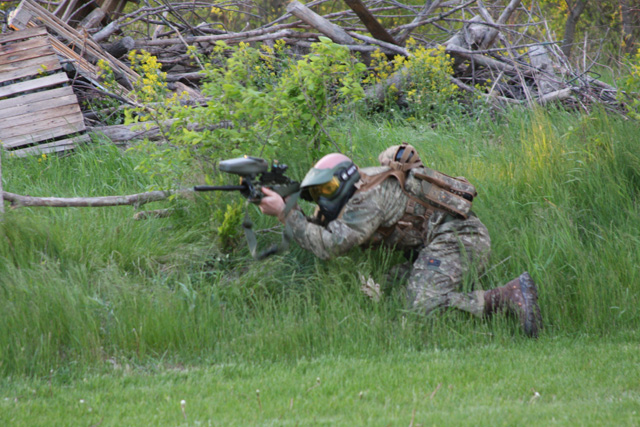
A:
(404, 205)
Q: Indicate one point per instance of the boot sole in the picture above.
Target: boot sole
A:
(531, 318)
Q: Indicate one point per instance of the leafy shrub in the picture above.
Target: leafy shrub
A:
(261, 103)
(630, 87)
(229, 229)
(428, 92)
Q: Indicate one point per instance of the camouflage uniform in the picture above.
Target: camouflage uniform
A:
(448, 248)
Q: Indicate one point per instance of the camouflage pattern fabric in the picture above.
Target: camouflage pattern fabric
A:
(453, 249)
(363, 214)
(449, 248)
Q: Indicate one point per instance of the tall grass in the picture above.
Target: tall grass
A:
(80, 287)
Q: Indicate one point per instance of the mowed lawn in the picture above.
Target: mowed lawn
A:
(553, 381)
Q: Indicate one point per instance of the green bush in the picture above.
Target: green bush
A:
(630, 86)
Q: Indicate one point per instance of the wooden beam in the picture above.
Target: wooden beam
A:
(21, 56)
(26, 33)
(10, 48)
(373, 25)
(50, 64)
(18, 125)
(35, 84)
(9, 106)
(51, 147)
(43, 135)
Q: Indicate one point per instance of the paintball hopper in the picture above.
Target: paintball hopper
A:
(245, 166)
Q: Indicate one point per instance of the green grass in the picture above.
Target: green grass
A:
(86, 292)
(552, 382)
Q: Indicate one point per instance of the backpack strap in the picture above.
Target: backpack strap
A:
(367, 182)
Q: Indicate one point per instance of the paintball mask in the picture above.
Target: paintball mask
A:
(330, 184)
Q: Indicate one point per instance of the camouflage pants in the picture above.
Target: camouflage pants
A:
(453, 249)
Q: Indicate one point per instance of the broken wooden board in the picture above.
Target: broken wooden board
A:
(69, 43)
(39, 112)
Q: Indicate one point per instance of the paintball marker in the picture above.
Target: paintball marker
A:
(254, 174)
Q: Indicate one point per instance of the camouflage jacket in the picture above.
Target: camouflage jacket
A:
(363, 220)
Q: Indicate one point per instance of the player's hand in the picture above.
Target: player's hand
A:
(272, 204)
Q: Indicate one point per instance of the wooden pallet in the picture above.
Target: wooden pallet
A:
(70, 44)
(39, 113)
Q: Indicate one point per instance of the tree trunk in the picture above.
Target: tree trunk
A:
(570, 25)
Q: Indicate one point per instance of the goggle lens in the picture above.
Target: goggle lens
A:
(328, 189)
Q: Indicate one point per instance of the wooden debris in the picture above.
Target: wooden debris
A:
(69, 43)
(503, 51)
(373, 25)
(18, 200)
(333, 31)
(39, 112)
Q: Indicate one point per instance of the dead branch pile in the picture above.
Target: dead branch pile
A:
(503, 51)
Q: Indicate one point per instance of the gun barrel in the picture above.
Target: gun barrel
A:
(220, 188)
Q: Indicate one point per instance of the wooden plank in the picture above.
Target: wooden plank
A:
(23, 45)
(41, 127)
(27, 120)
(25, 55)
(37, 107)
(84, 67)
(33, 70)
(27, 33)
(40, 83)
(24, 17)
(52, 147)
(7, 105)
(35, 137)
(73, 37)
(51, 59)
(20, 17)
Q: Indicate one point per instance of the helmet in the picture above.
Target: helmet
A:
(330, 183)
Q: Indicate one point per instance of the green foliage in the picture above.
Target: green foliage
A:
(106, 108)
(264, 104)
(558, 192)
(629, 86)
(321, 84)
(229, 229)
(430, 93)
(150, 91)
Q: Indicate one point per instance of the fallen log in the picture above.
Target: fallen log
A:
(149, 130)
(18, 200)
(133, 132)
(121, 47)
(331, 30)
